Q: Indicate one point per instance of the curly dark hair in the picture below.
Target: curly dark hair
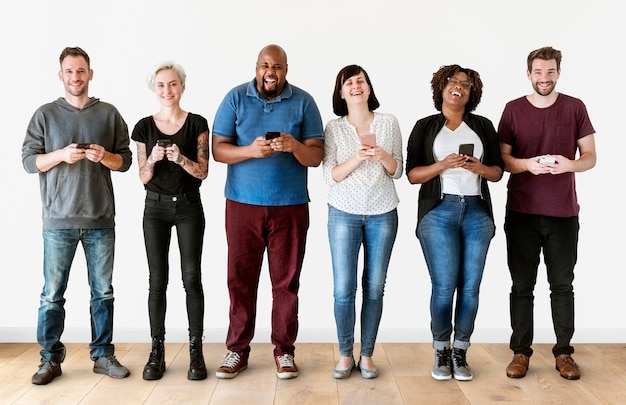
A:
(440, 81)
(340, 107)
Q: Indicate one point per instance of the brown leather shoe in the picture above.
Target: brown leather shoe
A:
(47, 372)
(567, 367)
(518, 366)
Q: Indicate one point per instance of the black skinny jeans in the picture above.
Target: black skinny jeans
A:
(526, 236)
(161, 213)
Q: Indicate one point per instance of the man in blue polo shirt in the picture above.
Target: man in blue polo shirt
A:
(268, 132)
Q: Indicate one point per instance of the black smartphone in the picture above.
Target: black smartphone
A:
(83, 145)
(272, 135)
(164, 142)
(466, 149)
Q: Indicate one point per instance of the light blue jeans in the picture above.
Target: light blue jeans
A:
(346, 234)
(455, 237)
(59, 250)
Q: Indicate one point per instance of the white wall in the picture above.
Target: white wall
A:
(400, 44)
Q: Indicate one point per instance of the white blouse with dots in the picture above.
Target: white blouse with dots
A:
(369, 189)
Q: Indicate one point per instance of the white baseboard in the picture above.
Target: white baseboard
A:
(405, 335)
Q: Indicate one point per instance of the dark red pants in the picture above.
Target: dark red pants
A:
(250, 230)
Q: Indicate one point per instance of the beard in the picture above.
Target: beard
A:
(269, 94)
(543, 91)
(272, 91)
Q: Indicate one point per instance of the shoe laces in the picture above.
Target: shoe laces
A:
(285, 361)
(443, 357)
(458, 356)
(113, 360)
(568, 360)
(231, 360)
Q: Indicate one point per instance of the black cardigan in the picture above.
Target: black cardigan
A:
(420, 153)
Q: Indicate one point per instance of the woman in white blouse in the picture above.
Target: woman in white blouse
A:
(362, 158)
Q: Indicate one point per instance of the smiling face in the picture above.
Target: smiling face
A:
(543, 76)
(355, 89)
(75, 75)
(168, 87)
(271, 72)
(457, 89)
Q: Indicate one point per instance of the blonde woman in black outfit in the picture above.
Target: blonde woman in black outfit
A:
(172, 150)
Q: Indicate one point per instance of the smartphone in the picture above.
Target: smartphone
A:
(164, 142)
(83, 145)
(547, 159)
(466, 149)
(271, 135)
(368, 140)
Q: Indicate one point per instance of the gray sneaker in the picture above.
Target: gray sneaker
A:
(460, 369)
(110, 366)
(441, 370)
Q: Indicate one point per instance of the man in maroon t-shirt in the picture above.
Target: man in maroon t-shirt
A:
(539, 137)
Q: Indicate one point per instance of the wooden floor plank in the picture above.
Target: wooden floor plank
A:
(404, 379)
(315, 384)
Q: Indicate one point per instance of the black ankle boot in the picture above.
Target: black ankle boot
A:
(197, 369)
(155, 367)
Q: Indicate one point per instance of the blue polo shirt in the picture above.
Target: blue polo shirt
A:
(244, 115)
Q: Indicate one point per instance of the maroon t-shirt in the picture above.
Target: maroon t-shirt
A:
(533, 131)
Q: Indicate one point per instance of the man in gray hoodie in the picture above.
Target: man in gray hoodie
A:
(74, 143)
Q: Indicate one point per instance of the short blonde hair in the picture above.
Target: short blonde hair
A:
(164, 66)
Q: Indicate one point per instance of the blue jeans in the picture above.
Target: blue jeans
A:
(455, 236)
(59, 250)
(346, 234)
(160, 215)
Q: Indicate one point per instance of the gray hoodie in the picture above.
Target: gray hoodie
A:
(78, 195)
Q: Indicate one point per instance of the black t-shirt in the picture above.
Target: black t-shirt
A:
(170, 178)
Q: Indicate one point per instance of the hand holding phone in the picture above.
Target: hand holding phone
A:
(547, 159)
(368, 140)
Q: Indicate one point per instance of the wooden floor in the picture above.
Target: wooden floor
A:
(405, 378)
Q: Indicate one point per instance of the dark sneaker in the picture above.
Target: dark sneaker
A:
(567, 367)
(286, 367)
(110, 366)
(232, 365)
(441, 369)
(460, 369)
(48, 371)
